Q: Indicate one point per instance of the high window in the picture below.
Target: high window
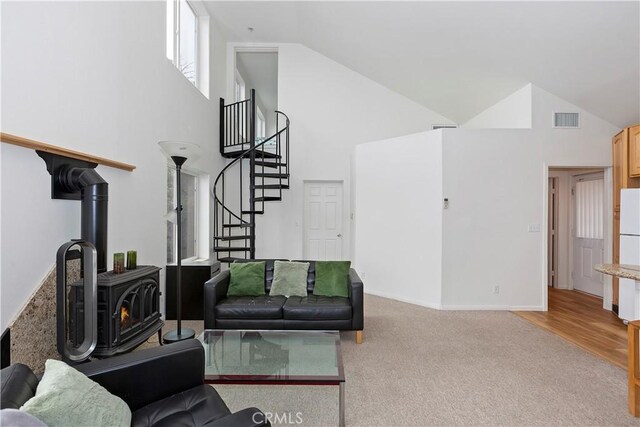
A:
(188, 41)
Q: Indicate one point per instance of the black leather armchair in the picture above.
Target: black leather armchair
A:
(162, 386)
(278, 312)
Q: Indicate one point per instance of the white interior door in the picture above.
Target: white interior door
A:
(588, 233)
(323, 232)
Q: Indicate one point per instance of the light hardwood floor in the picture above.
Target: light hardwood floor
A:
(579, 318)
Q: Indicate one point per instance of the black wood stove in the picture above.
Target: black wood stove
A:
(128, 310)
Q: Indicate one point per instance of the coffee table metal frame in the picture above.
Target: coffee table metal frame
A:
(337, 380)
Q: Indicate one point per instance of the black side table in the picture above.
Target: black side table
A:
(194, 274)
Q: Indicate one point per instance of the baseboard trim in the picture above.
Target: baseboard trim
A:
(493, 307)
(476, 307)
(526, 308)
(405, 300)
(456, 307)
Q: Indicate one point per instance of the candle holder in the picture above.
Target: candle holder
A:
(132, 260)
(118, 262)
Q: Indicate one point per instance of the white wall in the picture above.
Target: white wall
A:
(496, 184)
(496, 181)
(512, 112)
(399, 217)
(562, 147)
(492, 179)
(93, 77)
(332, 109)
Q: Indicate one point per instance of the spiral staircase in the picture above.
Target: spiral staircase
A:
(257, 174)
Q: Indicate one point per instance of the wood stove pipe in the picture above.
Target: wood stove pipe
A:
(74, 179)
(94, 196)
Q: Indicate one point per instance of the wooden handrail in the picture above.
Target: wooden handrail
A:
(633, 373)
(41, 146)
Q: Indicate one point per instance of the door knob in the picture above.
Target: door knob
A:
(339, 235)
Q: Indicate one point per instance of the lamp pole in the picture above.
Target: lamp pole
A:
(179, 334)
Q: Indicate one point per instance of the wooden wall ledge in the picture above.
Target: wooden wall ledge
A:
(41, 146)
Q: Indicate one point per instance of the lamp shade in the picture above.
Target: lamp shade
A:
(180, 149)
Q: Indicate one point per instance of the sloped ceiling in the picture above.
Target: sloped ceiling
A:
(458, 58)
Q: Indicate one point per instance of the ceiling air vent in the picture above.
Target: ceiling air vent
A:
(435, 127)
(566, 120)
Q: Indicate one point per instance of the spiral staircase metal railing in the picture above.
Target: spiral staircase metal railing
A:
(258, 173)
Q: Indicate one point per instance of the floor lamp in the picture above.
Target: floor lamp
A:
(179, 152)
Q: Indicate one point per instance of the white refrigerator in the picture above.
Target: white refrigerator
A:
(629, 290)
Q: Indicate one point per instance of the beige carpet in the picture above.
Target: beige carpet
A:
(420, 367)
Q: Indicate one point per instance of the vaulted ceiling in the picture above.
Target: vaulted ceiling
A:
(458, 58)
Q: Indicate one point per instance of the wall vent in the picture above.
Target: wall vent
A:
(435, 127)
(566, 120)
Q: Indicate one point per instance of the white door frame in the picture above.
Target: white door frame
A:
(607, 299)
(555, 214)
(345, 224)
(232, 49)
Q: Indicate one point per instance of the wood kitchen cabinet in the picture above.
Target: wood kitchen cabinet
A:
(626, 174)
(634, 151)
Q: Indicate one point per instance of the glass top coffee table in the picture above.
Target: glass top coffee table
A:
(274, 357)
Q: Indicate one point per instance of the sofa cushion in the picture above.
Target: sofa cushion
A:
(315, 307)
(197, 406)
(67, 397)
(260, 307)
(290, 279)
(247, 279)
(332, 278)
(268, 270)
(311, 274)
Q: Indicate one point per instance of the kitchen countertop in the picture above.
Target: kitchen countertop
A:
(625, 271)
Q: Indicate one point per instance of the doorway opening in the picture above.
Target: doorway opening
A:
(578, 299)
(576, 224)
(258, 69)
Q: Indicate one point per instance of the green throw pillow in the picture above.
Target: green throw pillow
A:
(332, 278)
(290, 279)
(247, 279)
(66, 397)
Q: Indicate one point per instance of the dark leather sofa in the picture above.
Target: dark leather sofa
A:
(163, 386)
(278, 312)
